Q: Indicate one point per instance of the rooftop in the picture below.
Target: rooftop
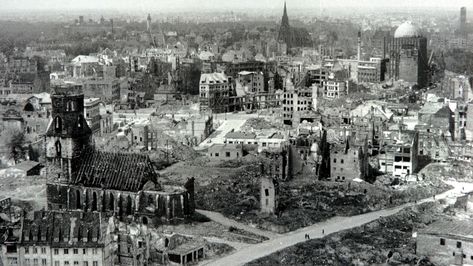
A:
(407, 30)
(451, 227)
(120, 171)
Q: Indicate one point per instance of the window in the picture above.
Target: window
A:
(35, 262)
(66, 262)
(66, 251)
(341, 161)
(43, 262)
(335, 160)
(86, 263)
(27, 250)
(84, 251)
(94, 251)
(266, 192)
(459, 244)
(27, 262)
(95, 263)
(76, 263)
(442, 241)
(76, 251)
(35, 250)
(43, 250)
(56, 251)
(216, 154)
(227, 154)
(56, 263)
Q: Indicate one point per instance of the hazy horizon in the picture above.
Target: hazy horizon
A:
(221, 5)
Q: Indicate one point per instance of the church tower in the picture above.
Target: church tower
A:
(285, 32)
(68, 134)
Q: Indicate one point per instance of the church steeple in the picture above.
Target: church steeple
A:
(285, 32)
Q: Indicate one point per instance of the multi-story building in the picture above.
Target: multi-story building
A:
(348, 160)
(54, 238)
(214, 90)
(298, 99)
(92, 113)
(108, 90)
(407, 53)
(398, 154)
(334, 89)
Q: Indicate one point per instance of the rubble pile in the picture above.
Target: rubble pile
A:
(458, 170)
(386, 241)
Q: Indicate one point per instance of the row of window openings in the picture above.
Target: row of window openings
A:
(58, 123)
(56, 251)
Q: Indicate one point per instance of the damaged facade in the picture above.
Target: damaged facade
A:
(82, 178)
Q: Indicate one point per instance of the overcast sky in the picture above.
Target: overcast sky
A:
(195, 5)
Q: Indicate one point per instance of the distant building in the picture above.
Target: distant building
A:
(225, 152)
(438, 116)
(92, 113)
(214, 90)
(398, 153)
(407, 54)
(446, 242)
(285, 31)
(348, 161)
(463, 25)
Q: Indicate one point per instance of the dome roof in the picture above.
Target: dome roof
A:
(407, 29)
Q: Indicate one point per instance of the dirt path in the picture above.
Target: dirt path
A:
(319, 230)
(219, 218)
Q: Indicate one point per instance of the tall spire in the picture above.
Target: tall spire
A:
(285, 32)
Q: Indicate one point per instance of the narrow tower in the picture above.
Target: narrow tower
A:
(359, 46)
(463, 21)
(285, 32)
(148, 23)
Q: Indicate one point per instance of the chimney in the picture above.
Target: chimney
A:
(359, 46)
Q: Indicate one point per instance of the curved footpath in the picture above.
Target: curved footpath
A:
(333, 225)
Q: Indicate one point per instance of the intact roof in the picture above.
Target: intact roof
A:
(431, 108)
(120, 171)
(213, 77)
(240, 135)
(451, 227)
(84, 59)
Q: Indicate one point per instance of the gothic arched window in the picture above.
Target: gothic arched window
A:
(58, 148)
(58, 124)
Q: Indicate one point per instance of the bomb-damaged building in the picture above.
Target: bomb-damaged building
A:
(83, 178)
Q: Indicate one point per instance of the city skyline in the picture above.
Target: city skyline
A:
(193, 5)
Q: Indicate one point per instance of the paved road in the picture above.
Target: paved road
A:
(333, 225)
(219, 218)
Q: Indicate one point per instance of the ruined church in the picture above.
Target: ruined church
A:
(80, 177)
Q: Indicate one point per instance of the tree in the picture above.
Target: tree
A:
(15, 143)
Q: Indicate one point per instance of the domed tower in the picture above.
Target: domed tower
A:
(407, 53)
(68, 134)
